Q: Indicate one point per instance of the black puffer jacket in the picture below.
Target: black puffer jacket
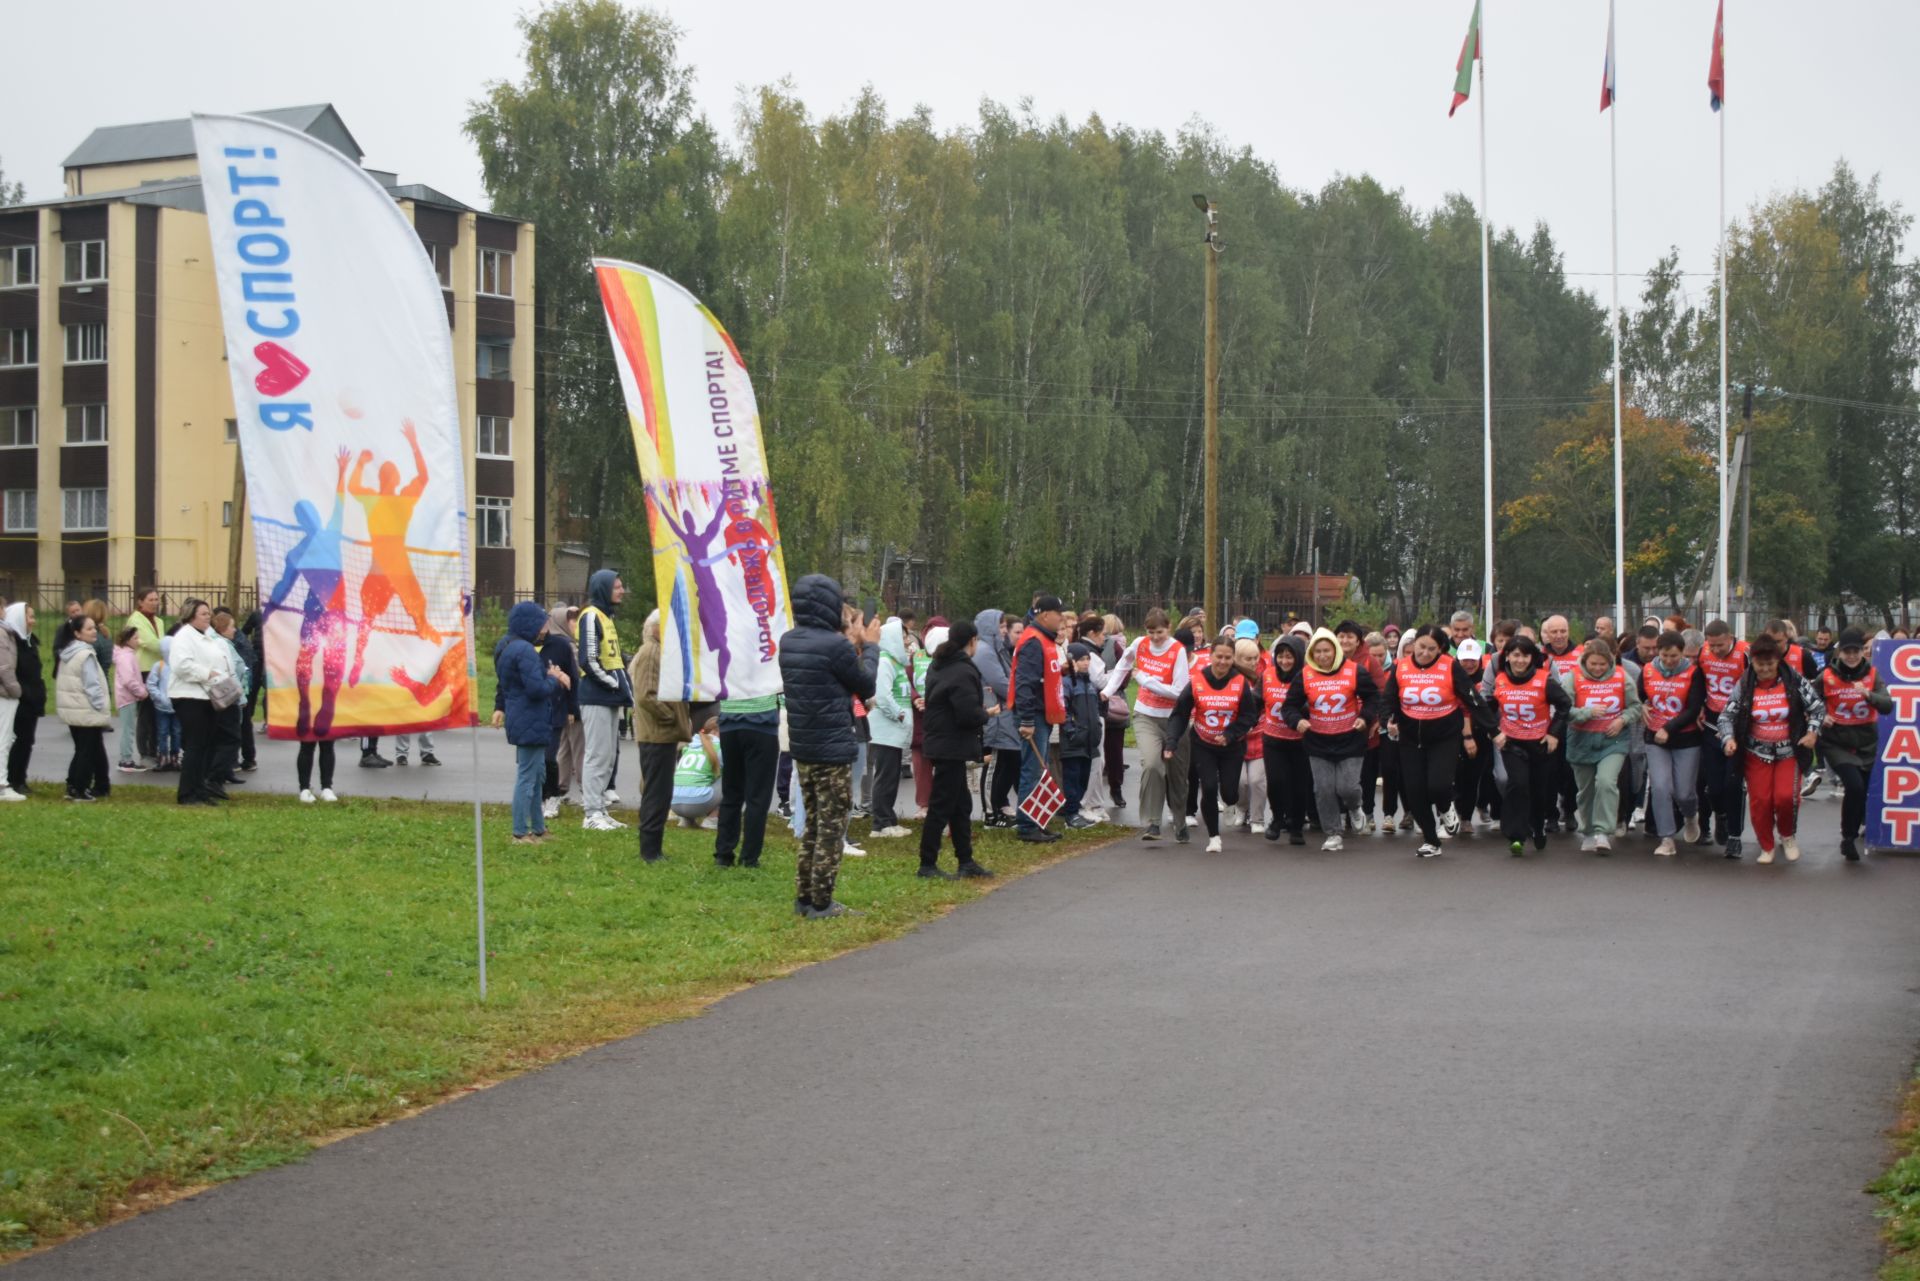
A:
(823, 674)
(956, 711)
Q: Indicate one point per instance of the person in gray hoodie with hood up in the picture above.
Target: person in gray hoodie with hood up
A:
(1002, 732)
(604, 690)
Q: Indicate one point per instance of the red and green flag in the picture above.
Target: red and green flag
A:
(1717, 68)
(1463, 69)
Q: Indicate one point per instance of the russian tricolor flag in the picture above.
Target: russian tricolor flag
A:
(1607, 76)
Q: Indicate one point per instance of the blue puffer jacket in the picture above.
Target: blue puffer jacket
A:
(525, 688)
(823, 674)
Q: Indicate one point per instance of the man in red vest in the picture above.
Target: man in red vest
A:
(1039, 701)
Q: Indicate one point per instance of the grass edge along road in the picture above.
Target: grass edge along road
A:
(189, 995)
(1899, 1193)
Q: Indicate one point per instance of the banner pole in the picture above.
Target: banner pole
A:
(1619, 466)
(1724, 604)
(1486, 338)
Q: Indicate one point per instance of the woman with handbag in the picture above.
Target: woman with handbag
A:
(201, 683)
(80, 698)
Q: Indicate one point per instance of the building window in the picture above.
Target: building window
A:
(19, 266)
(21, 511)
(232, 430)
(496, 273)
(19, 428)
(86, 424)
(87, 342)
(495, 359)
(83, 510)
(493, 517)
(86, 261)
(18, 347)
(226, 513)
(441, 256)
(494, 437)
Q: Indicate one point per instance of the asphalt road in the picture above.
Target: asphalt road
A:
(1153, 1063)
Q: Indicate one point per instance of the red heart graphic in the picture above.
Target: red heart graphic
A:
(283, 370)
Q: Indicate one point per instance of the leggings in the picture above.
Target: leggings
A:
(1427, 772)
(1289, 782)
(1218, 769)
(303, 763)
(1527, 799)
(1773, 797)
(1853, 806)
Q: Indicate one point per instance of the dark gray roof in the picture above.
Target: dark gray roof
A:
(165, 139)
(421, 194)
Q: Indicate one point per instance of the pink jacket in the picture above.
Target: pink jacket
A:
(128, 685)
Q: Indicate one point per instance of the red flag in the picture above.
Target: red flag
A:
(1717, 69)
(1045, 800)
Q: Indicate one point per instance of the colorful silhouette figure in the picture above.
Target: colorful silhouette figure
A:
(450, 674)
(712, 602)
(389, 512)
(317, 558)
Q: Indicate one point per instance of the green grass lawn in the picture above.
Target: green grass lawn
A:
(189, 994)
(1899, 1192)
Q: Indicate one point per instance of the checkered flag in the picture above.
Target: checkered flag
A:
(1046, 799)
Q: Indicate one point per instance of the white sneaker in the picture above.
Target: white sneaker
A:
(1766, 856)
(683, 820)
(850, 850)
(1587, 845)
(1665, 848)
(1213, 845)
(1790, 846)
(1333, 843)
(550, 808)
(1450, 821)
(1427, 851)
(600, 823)
(892, 833)
(328, 794)
(8, 794)
(1258, 829)
(307, 797)
(1808, 788)
(1601, 845)
(610, 796)
(1692, 829)
(1639, 818)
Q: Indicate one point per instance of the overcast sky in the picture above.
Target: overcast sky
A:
(1333, 86)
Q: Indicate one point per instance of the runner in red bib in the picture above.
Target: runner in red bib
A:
(1849, 741)
(1333, 705)
(1673, 689)
(1157, 662)
(1222, 706)
(1533, 713)
(1561, 656)
(1289, 777)
(1723, 663)
(1605, 710)
(1426, 696)
(1773, 715)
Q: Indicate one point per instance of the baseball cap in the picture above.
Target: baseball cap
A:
(1469, 650)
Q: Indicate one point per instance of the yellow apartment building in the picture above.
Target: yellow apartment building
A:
(117, 443)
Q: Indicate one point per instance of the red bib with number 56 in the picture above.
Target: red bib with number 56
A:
(1332, 699)
(1426, 693)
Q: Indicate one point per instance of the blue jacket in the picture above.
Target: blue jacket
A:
(823, 674)
(525, 688)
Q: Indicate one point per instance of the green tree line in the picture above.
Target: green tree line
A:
(983, 346)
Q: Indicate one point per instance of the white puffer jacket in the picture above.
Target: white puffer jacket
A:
(80, 691)
(195, 659)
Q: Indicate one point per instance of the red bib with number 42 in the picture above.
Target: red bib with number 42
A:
(1332, 699)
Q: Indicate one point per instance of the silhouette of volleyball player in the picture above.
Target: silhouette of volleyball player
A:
(453, 665)
(323, 614)
(713, 603)
(389, 512)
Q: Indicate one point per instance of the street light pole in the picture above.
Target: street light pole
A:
(1211, 577)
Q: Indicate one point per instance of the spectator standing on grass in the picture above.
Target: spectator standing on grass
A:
(1082, 735)
(823, 671)
(80, 697)
(1039, 701)
(146, 621)
(605, 688)
(659, 727)
(129, 693)
(10, 691)
(528, 687)
(1002, 737)
(957, 709)
(197, 660)
(102, 638)
(890, 721)
(30, 704)
(749, 758)
(557, 648)
(235, 717)
(166, 724)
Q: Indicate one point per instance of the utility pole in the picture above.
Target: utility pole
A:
(1211, 575)
(236, 533)
(1746, 510)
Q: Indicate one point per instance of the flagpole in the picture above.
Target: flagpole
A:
(1619, 468)
(1724, 606)
(1486, 336)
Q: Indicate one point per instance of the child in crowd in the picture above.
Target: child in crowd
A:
(166, 726)
(696, 777)
(129, 691)
(1082, 735)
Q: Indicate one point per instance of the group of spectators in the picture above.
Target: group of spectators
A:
(181, 697)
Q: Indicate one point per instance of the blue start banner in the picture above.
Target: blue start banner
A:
(1893, 793)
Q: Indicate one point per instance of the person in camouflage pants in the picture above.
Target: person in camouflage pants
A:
(827, 793)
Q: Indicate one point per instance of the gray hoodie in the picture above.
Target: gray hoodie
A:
(1001, 734)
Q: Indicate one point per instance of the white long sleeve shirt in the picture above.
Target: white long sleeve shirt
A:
(1168, 690)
